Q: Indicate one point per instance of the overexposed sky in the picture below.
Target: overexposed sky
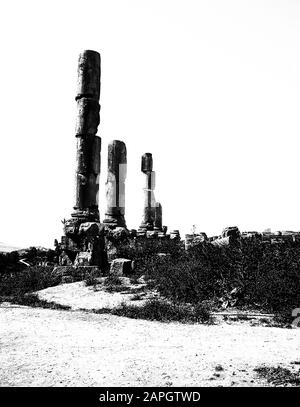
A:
(210, 87)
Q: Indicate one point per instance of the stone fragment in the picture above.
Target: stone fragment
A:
(83, 259)
(151, 234)
(120, 267)
(158, 217)
(64, 259)
(174, 234)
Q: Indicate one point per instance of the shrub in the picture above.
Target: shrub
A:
(31, 279)
(254, 275)
(112, 279)
(164, 311)
(114, 283)
(279, 376)
(32, 300)
(91, 280)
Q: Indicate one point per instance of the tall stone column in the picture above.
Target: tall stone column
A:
(149, 198)
(83, 243)
(88, 144)
(115, 185)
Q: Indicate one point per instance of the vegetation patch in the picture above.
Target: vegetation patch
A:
(32, 300)
(255, 276)
(30, 279)
(165, 311)
(91, 280)
(278, 376)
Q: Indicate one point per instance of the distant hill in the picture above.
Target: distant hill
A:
(5, 248)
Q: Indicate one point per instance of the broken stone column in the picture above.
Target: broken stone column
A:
(149, 198)
(115, 185)
(83, 242)
(158, 217)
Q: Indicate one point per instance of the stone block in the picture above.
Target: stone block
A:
(83, 259)
(120, 267)
(64, 259)
(89, 73)
(88, 117)
(89, 228)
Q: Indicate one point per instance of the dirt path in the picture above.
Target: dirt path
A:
(42, 347)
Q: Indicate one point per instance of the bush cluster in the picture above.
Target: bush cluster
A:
(253, 275)
(165, 311)
(31, 279)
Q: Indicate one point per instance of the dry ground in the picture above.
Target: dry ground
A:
(44, 347)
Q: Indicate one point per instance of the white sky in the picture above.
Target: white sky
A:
(210, 88)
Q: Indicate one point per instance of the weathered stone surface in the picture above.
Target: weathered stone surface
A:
(222, 241)
(149, 198)
(115, 185)
(114, 239)
(90, 228)
(151, 234)
(147, 163)
(119, 233)
(71, 227)
(231, 231)
(230, 236)
(158, 217)
(87, 173)
(64, 259)
(83, 259)
(84, 241)
(95, 156)
(88, 117)
(174, 234)
(192, 240)
(89, 73)
(88, 144)
(120, 267)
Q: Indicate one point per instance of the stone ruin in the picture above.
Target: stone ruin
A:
(116, 230)
(152, 215)
(83, 240)
(88, 243)
(115, 185)
(152, 225)
(231, 236)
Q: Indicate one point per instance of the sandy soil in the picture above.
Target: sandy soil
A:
(43, 347)
(79, 296)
